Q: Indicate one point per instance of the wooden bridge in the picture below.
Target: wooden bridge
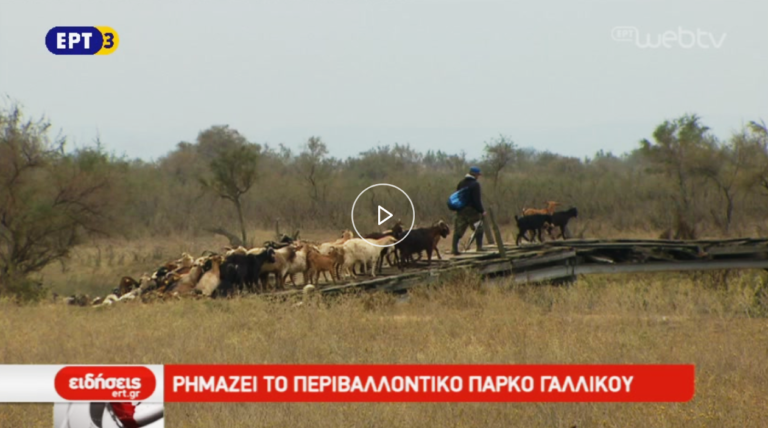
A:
(565, 260)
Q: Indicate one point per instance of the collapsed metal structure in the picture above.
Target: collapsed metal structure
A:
(565, 260)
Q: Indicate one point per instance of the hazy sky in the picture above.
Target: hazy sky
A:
(436, 74)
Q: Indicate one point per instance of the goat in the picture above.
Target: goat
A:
(421, 239)
(534, 223)
(243, 270)
(78, 300)
(131, 295)
(279, 267)
(345, 236)
(126, 284)
(276, 245)
(238, 250)
(166, 282)
(178, 268)
(560, 220)
(298, 265)
(550, 209)
(159, 273)
(338, 253)
(257, 250)
(445, 231)
(110, 299)
(211, 280)
(285, 239)
(184, 283)
(359, 251)
(397, 232)
(186, 261)
(337, 245)
(317, 263)
(147, 284)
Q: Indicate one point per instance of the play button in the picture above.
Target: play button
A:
(385, 218)
(371, 218)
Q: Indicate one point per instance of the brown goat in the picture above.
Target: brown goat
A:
(182, 284)
(127, 284)
(317, 263)
(550, 209)
(442, 232)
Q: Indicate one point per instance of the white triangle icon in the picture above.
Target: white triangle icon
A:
(385, 218)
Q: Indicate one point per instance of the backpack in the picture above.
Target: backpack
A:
(458, 199)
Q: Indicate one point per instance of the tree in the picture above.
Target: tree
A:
(755, 143)
(678, 144)
(384, 161)
(315, 170)
(49, 200)
(724, 165)
(233, 166)
(218, 139)
(498, 154)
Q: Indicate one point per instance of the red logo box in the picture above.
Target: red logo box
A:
(105, 383)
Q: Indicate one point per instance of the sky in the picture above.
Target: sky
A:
(570, 77)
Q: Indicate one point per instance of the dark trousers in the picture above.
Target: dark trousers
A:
(466, 218)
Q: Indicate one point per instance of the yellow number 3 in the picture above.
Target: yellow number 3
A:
(111, 40)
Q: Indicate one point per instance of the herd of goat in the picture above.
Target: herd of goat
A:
(244, 270)
(536, 221)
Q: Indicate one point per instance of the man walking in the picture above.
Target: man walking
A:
(471, 213)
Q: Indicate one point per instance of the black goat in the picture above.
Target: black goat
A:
(560, 220)
(278, 245)
(284, 241)
(534, 223)
(242, 270)
(421, 239)
(397, 233)
(159, 273)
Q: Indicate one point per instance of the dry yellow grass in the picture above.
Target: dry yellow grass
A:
(618, 319)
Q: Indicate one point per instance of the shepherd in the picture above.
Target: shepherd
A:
(468, 204)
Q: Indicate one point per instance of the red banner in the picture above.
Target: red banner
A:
(429, 383)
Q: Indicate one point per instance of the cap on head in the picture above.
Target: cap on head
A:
(474, 170)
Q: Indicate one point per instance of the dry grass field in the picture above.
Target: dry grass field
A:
(716, 322)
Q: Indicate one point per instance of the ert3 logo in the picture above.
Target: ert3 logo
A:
(82, 40)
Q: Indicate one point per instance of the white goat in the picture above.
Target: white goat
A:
(186, 261)
(326, 247)
(256, 250)
(130, 295)
(238, 250)
(210, 280)
(298, 265)
(359, 251)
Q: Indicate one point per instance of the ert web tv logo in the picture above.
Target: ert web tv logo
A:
(82, 40)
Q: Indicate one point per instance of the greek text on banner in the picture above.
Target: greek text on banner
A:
(429, 383)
